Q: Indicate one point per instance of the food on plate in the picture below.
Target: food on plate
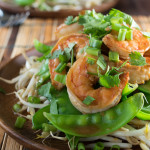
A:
(92, 85)
(56, 5)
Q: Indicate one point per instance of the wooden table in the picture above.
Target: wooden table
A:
(13, 40)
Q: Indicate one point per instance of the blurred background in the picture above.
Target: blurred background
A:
(23, 21)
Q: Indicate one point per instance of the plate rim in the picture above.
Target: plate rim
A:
(23, 140)
(58, 14)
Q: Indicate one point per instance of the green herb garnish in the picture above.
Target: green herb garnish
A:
(91, 60)
(70, 20)
(101, 62)
(137, 59)
(88, 100)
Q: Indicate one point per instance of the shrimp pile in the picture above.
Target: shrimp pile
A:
(95, 82)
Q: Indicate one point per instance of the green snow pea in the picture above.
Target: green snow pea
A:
(129, 88)
(64, 107)
(38, 118)
(99, 123)
(24, 2)
(144, 114)
(145, 87)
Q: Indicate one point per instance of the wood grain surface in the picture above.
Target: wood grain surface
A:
(13, 40)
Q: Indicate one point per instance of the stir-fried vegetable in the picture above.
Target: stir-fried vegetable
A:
(99, 123)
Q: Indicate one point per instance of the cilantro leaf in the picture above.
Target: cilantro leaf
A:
(70, 20)
(88, 100)
(137, 59)
(109, 81)
(47, 90)
(101, 62)
(127, 18)
(94, 24)
(57, 53)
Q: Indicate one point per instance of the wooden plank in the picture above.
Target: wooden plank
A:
(5, 35)
(12, 144)
(48, 31)
(1, 135)
(23, 37)
(3, 144)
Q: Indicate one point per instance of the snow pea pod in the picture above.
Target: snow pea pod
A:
(100, 123)
(145, 87)
(64, 104)
(144, 113)
(64, 107)
(129, 88)
(38, 119)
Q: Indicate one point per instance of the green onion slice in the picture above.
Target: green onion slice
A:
(113, 56)
(92, 51)
(115, 147)
(101, 62)
(129, 35)
(99, 146)
(95, 43)
(16, 107)
(34, 100)
(81, 146)
(122, 34)
(61, 67)
(60, 78)
(20, 122)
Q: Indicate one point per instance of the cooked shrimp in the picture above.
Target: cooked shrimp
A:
(64, 29)
(139, 43)
(81, 41)
(137, 74)
(80, 85)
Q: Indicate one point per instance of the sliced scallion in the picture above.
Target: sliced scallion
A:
(81, 146)
(60, 78)
(122, 34)
(129, 35)
(16, 107)
(101, 62)
(88, 100)
(92, 51)
(20, 122)
(99, 146)
(61, 67)
(116, 26)
(34, 100)
(113, 56)
(95, 43)
(115, 147)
